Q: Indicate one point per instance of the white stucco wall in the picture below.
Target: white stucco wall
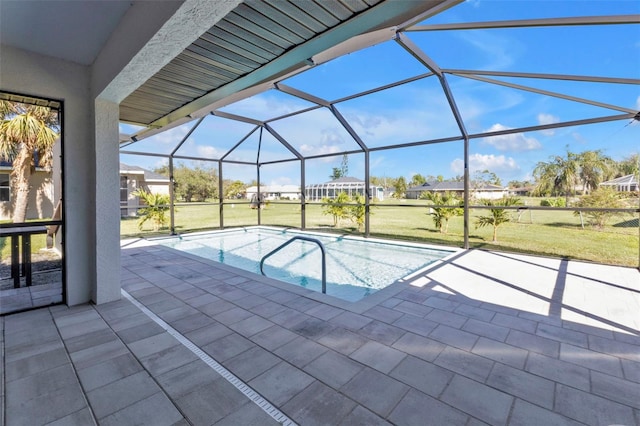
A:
(32, 74)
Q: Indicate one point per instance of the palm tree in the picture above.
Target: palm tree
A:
(499, 215)
(27, 136)
(441, 215)
(155, 209)
(594, 168)
(558, 176)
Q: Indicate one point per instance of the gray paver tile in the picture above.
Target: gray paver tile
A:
(527, 414)
(289, 318)
(108, 371)
(360, 416)
(465, 363)
(378, 356)
(281, 383)
(333, 368)
(47, 407)
(313, 328)
(85, 341)
(631, 370)
(621, 349)
(167, 359)
(419, 409)
(40, 383)
(227, 347)
(591, 409)
(268, 309)
(155, 410)
(415, 325)
(192, 322)
(300, 351)
(248, 415)
(343, 341)
(381, 332)
(139, 332)
(24, 367)
(558, 371)
(478, 400)
(454, 337)
(500, 352)
(446, 318)
(232, 316)
(78, 329)
(534, 343)
(376, 391)
(523, 385)
(119, 394)
(616, 389)
(211, 402)
(273, 337)
(150, 345)
(516, 323)
(475, 312)
(79, 418)
(208, 334)
(319, 405)
(383, 314)
(441, 303)
(424, 376)
(184, 379)
(481, 328)
(419, 346)
(251, 363)
(590, 359)
(251, 325)
(412, 308)
(350, 321)
(562, 334)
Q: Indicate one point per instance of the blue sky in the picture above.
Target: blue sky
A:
(419, 110)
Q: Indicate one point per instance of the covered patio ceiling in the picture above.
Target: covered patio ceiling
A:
(260, 42)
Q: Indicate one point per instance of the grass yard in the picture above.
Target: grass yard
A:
(546, 233)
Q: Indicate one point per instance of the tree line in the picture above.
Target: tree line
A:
(200, 183)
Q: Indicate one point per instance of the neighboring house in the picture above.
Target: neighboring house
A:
(44, 194)
(523, 191)
(133, 178)
(352, 186)
(477, 191)
(274, 192)
(623, 183)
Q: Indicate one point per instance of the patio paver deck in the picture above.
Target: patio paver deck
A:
(482, 338)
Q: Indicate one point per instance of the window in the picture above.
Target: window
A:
(5, 193)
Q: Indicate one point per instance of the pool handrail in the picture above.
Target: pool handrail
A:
(300, 237)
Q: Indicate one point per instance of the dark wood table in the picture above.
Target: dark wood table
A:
(16, 233)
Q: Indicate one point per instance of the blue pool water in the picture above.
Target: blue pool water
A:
(355, 267)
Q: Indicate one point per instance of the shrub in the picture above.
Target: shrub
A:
(553, 202)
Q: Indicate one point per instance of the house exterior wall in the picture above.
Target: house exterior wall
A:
(41, 197)
(39, 75)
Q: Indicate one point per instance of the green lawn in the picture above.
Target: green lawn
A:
(547, 233)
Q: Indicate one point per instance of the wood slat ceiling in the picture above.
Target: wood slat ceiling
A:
(252, 35)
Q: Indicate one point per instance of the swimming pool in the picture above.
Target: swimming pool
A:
(356, 267)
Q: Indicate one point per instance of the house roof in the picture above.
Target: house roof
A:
(148, 174)
(622, 180)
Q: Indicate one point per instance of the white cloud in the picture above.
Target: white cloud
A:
(548, 119)
(479, 162)
(171, 136)
(510, 142)
(208, 152)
